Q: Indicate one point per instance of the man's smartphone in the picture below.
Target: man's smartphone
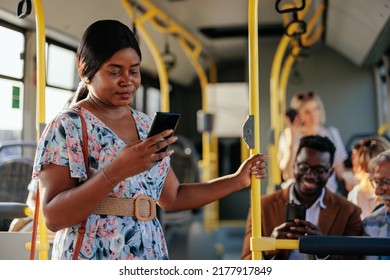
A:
(163, 121)
(295, 211)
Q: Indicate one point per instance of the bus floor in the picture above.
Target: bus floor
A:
(187, 239)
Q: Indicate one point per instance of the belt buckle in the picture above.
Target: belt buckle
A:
(152, 207)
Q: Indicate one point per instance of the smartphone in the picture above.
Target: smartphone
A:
(291, 114)
(295, 211)
(163, 121)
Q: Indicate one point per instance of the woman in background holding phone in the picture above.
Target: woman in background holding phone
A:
(309, 120)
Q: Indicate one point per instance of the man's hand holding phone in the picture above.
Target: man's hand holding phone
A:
(296, 224)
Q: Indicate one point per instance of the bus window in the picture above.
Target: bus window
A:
(61, 79)
(11, 86)
(11, 53)
(11, 116)
(61, 67)
(56, 100)
(152, 101)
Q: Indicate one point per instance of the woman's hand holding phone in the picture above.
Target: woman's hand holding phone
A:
(164, 121)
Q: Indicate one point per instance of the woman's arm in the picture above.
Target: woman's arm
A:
(65, 203)
(176, 196)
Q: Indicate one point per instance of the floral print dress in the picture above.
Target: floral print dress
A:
(106, 237)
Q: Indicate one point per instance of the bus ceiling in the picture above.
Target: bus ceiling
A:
(357, 29)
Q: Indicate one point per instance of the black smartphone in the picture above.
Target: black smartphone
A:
(295, 211)
(291, 114)
(163, 121)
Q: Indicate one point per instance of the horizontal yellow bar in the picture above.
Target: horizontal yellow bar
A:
(270, 244)
(28, 212)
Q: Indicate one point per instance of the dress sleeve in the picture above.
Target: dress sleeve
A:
(61, 144)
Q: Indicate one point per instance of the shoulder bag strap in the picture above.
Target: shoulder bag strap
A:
(35, 227)
(81, 230)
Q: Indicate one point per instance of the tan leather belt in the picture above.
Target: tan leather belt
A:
(143, 208)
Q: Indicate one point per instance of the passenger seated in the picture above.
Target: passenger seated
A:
(26, 224)
(327, 213)
(363, 194)
(377, 224)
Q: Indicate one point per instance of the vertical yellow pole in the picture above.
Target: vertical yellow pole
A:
(275, 176)
(161, 69)
(43, 245)
(41, 64)
(209, 144)
(193, 56)
(283, 84)
(254, 110)
(214, 138)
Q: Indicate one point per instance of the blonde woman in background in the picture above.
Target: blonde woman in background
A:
(363, 194)
(310, 120)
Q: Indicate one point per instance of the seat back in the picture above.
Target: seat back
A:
(15, 175)
(185, 160)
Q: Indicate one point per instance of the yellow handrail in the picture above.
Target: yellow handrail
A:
(271, 244)
(43, 245)
(284, 81)
(383, 128)
(193, 49)
(278, 85)
(279, 79)
(275, 177)
(161, 68)
(308, 39)
(213, 78)
(254, 110)
(276, 103)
